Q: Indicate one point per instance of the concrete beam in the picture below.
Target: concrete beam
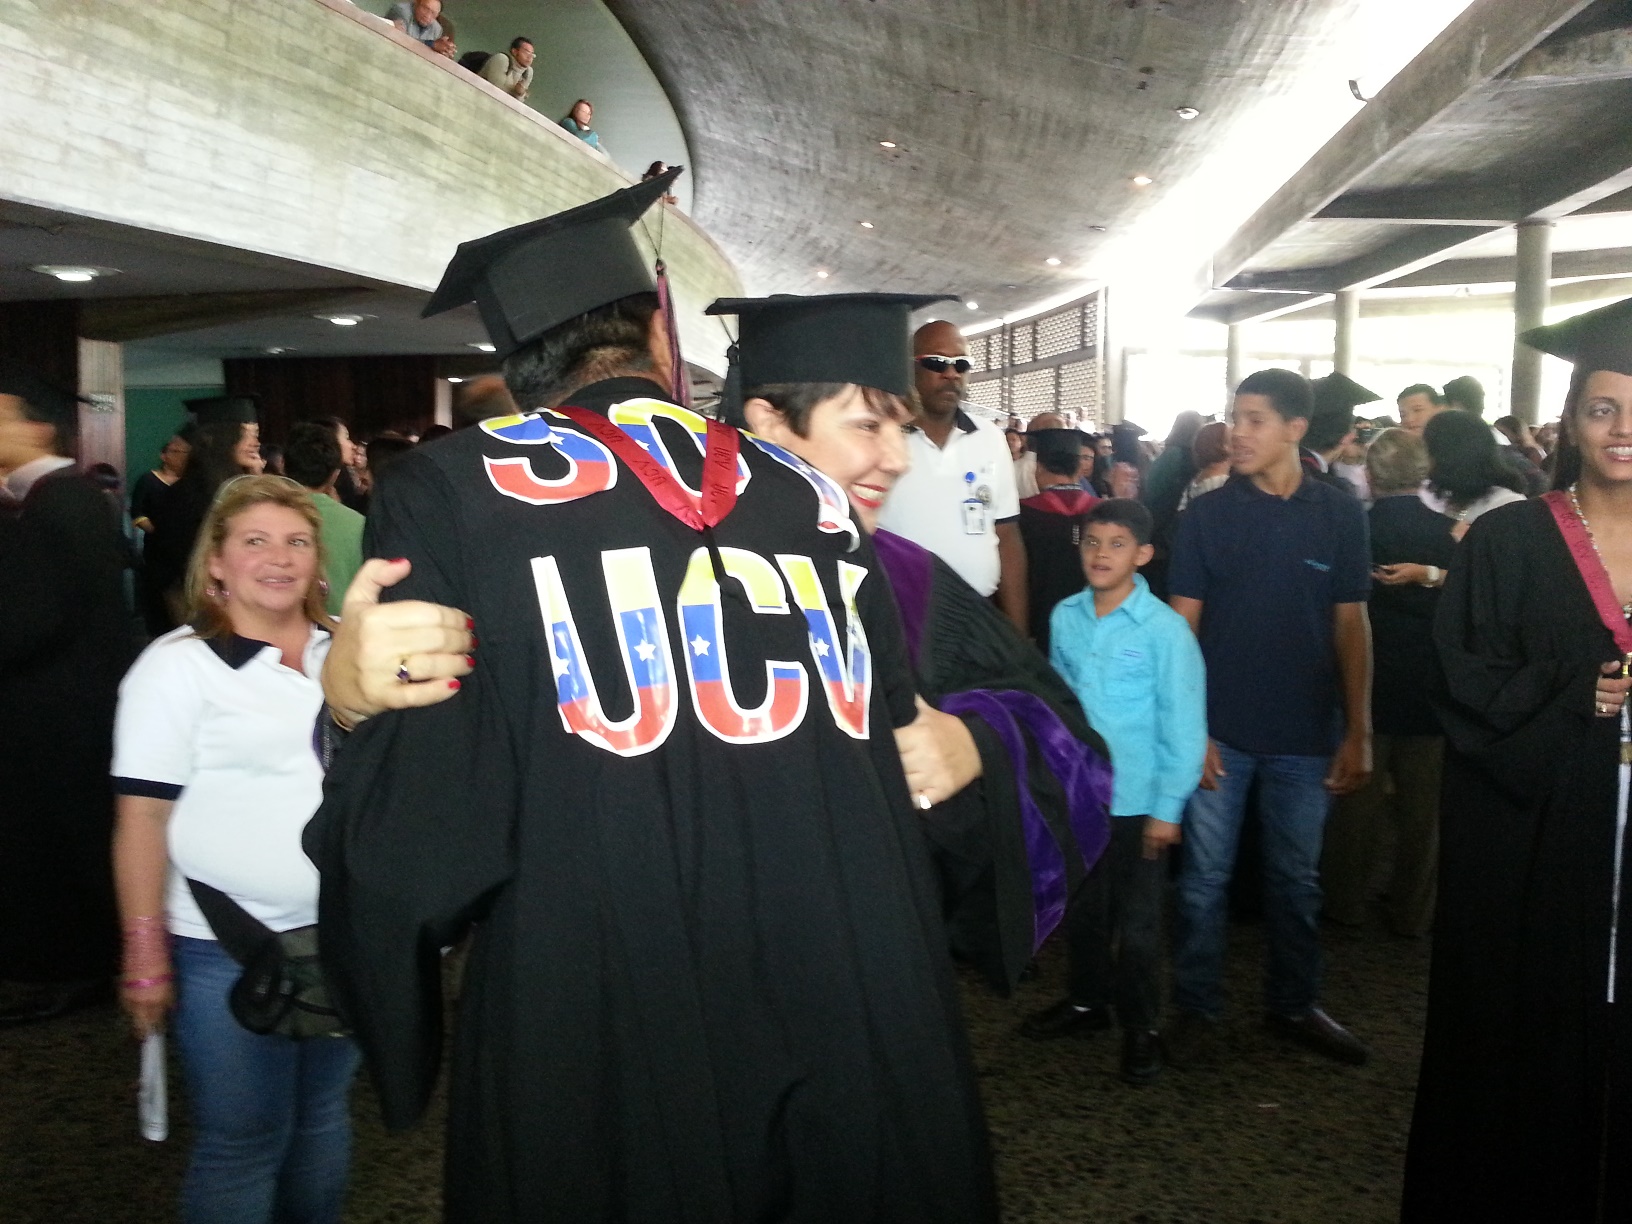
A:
(1418, 247)
(140, 318)
(1259, 307)
(1603, 56)
(1567, 265)
(1376, 307)
(1463, 205)
(1489, 37)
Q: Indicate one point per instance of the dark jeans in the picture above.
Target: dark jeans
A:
(1292, 805)
(1113, 929)
(272, 1119)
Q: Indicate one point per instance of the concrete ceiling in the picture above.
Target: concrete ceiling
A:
(1019, 126)
(1518, 111)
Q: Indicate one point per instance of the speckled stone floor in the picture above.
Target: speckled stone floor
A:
(1266, 1135)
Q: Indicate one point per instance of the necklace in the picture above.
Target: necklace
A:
(1575, 504)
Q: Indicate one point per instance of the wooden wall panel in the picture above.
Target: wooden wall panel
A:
(371, 394)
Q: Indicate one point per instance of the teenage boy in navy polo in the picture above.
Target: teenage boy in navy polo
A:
(1272, 571)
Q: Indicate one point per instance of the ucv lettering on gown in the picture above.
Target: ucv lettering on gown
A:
(643, 640)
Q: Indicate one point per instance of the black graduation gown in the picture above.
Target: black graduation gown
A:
(65, 641)
(1051, 526)
(1523, 1103)
(976, 836)
(708, 981)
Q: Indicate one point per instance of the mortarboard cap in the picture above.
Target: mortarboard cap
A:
(861, 338)
(1057, 450)
(223, 409)
(1337, 394)
(1598, 340)
(532, 277)
(44, 395)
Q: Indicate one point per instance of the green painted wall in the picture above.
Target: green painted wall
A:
(152, 414)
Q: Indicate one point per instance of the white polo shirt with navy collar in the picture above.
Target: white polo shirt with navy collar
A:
(933, 504)
(226, 732)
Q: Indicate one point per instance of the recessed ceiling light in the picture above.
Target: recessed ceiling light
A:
(274, 350)
(1187, 112)
(345, 320)
(1096, 229)
(866, 225)
(821, 273)
(74, 273)
(972, 305)
(886, 144)
(480, 346)
(1052, 261)
(456, 380)
(1142, 180)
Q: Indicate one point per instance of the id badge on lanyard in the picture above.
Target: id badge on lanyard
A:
(974, 508)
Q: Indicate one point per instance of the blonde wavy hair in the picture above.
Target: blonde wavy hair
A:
(205, 613)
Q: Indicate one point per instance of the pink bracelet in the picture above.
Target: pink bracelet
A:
(143, 983)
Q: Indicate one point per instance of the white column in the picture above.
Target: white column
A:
(1530, 296)
(1235, 358)
(1347, 313)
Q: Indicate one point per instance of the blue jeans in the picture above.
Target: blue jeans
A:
(1293, 801)
(271, 1115)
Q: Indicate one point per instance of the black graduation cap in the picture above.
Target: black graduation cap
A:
(1057, 450)
(41, 392)
(861, 338)
(1598, 340)
(1337, 394)
(535, 276)
(224, 409)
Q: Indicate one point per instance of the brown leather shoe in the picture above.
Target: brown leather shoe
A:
(1317, 1031)
(1066, 1019)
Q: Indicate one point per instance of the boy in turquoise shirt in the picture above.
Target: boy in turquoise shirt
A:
(1135, 666)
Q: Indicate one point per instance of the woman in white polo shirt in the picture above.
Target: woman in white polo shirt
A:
(217, 775)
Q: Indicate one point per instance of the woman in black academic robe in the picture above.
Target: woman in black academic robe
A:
(1524, 1105)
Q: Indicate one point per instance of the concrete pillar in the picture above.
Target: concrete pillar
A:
(1530, 295)
(1346, 310)
(442, 414)
(1235, 358)
(102, 412)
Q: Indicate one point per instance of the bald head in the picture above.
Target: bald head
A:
(1047, 420)
(939, 392)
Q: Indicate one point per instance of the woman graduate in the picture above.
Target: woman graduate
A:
(1014, 782)
(1524, 1106)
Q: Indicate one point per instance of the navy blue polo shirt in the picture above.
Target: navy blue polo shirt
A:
(1268, 571)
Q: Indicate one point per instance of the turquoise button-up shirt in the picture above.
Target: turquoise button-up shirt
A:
(1139, 675)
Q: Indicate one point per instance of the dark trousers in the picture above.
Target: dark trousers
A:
(1113, 929)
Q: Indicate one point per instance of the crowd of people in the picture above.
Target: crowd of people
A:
(510, 70)
(782, 713)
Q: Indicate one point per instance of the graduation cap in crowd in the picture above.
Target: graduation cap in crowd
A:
(224, 409)
(1598, 340)
(45, 396)
(861, 338)
(1338, 393)
(1057, 450)
(535, 276)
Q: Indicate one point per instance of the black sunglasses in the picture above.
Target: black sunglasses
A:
(940, 365)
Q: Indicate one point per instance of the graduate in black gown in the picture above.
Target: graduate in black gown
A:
(708, 978)
(1051, 526)
(1026, 814)
(1524, 1105)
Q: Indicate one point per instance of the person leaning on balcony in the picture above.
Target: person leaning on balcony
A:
(422, 20)
(512, 70)
(578, 120)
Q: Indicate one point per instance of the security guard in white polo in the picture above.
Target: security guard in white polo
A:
(961, 483)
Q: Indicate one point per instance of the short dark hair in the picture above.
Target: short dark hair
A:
(543, 372)
(1468, 392)
(44, 403)
(796, 401)
(311, 456)
(385, 450)
(1125, 512)
(1328, 429)
(518, 40)
(1288, 392)
(1421, 389)
(1464, 462)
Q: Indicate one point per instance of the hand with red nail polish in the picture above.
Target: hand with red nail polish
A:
(385, 656)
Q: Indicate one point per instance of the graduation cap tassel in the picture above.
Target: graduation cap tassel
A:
(665, 303)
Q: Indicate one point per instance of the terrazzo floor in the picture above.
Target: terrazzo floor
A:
(1267, 1134)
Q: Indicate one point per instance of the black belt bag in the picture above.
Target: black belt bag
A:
(281, 989)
